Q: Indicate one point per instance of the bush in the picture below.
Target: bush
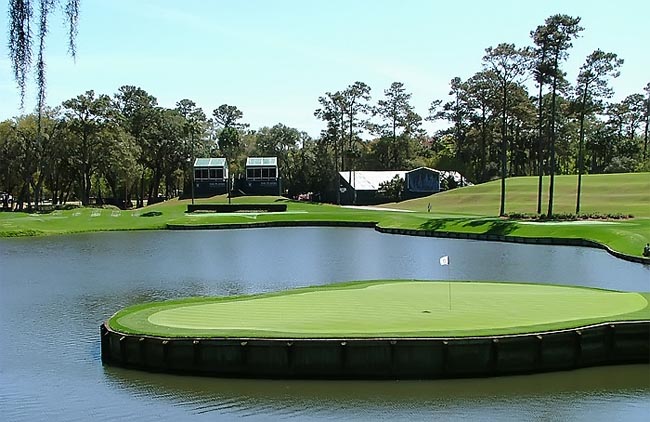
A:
(567, 216)
(151, 214)
(392, 190)
(621, 165)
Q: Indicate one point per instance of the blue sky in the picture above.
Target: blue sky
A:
(274, 58)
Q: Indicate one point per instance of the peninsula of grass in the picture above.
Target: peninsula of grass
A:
(386, 309)
(469, 210)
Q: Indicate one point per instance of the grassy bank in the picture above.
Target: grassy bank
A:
(603, 194)
(392, 308)
(626, 193)
(469, 210)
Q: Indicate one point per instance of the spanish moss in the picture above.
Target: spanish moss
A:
(72, 16)
(21, 40)
(46, 7)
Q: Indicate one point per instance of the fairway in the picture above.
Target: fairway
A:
(386, 309)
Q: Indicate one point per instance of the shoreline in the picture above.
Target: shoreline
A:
(422, 233)
(561, 241)
(624, 240)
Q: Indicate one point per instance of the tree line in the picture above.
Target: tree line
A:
(128, 148)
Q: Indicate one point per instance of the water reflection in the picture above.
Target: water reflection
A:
(254, 260)
(55, 291)
(570, 393)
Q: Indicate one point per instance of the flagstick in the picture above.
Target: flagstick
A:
(448, 287)
(444, 261)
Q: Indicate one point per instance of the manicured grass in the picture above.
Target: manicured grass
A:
(604, 194)
(625, 193)
(393, 308)
(173, 212)
(469, 210)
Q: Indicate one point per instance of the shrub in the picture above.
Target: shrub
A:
(392, 190)
(151, 214)
(568, 216)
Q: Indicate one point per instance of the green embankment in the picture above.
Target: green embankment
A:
(470, 209)
(391, 308)
(626, 193)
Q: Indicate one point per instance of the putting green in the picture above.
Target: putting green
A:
(386, 309)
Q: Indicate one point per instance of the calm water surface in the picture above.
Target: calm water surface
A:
(55, 291)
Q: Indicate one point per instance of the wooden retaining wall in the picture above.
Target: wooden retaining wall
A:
(223, 208)
(515, 239)
(382, 358)
(263, 224)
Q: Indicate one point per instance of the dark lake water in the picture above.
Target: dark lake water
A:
(55, 291)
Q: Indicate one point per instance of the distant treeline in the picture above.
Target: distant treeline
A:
(128, 148)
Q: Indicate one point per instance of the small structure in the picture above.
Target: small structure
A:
(361, 187)
(210, 176)
(262, 177)
(421, 181)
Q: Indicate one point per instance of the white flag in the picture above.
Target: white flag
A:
(444, 260)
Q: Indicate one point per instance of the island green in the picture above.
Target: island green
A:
(389, 308)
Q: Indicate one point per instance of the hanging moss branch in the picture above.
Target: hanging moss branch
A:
(72, 16)
(45, 9)
(20, 42)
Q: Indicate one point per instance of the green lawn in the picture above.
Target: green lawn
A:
(394, 308)
(625, 193)
(603, 193)
(471, 209)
